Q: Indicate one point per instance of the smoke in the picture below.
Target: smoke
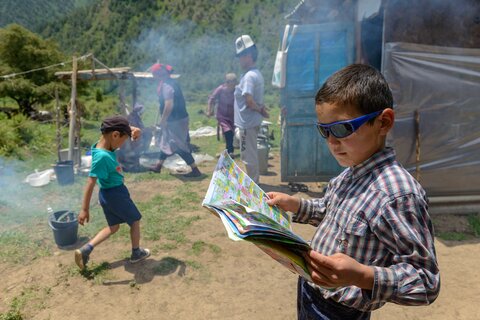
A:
(21, 203)
(202, 55)
(201, 60)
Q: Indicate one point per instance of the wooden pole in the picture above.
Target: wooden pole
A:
(123, 107)
(93, 67)
(59, 134)
(100, 63)
(134, 93)
(73, 111)
(78, 128)
(384, 30)
(417, 145)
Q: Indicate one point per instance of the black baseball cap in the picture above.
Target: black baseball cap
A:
(116, 123)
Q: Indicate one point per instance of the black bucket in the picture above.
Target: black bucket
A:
(64, 172)
(65, 227)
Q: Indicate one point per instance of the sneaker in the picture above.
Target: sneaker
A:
(156, 168)
(139, 255)
(195, 173)
(293, 187)
(82, 256)
(303, 187)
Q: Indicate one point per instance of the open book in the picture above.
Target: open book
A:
(241, 205)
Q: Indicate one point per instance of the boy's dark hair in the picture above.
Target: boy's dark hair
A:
(358, 85)
(116, 123)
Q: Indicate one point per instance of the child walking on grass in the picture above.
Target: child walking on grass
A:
(114, 197)
(374, 237)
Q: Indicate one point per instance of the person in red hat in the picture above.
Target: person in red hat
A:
(174, 121)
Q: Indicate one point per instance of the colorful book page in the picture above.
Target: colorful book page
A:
(229, 182)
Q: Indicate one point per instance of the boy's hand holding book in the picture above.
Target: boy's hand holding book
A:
(284, 201)
(338, 270)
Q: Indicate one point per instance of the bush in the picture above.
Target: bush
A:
(98, 95)
(21, 137)
(9, 140)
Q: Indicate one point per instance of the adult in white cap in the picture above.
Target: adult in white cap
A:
(249, 105)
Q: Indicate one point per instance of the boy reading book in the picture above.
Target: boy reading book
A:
(374, 238)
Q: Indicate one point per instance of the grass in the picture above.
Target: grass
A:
(11, 315)
(162, 218)
(198, 247)
(34, 296)
(453, 236)
(19, 247)
(96, 272)
(473, 231)
(474, 222)
(194, 265)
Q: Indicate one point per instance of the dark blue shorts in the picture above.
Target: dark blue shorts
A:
(312, 306)
(118, 206)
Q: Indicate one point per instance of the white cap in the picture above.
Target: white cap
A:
(242, 43)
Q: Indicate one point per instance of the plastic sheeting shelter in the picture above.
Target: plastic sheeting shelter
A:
(442, 84)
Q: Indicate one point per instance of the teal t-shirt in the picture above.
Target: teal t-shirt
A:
(105, 168)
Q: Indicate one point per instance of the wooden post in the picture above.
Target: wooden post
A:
(78, 128)
(73, 111)
(123, 108)
(57, 114)
(93, 68)
(134, 93)
(417, 145)
(384, 30)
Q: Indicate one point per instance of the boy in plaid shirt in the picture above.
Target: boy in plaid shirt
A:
(374, 238)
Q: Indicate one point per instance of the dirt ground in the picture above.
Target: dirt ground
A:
(239, 282)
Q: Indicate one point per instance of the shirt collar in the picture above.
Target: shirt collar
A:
(379, 159)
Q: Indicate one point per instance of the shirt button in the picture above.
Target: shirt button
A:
(343, 243)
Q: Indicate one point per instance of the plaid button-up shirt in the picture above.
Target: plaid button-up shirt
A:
(376, 213)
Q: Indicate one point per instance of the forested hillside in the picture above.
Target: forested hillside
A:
(34, 14)
(195, 36)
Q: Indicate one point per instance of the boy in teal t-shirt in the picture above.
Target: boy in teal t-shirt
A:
(114, 197)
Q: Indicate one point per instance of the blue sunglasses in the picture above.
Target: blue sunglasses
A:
(342, 129)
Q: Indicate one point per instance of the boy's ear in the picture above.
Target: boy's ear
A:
(387, 119)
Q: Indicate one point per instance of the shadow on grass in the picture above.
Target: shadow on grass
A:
(146, 270)
(94, 271)
(183, 178)
(80, 242)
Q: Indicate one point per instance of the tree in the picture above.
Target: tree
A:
(21, 51)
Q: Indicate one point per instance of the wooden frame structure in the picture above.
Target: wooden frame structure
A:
(105, 73)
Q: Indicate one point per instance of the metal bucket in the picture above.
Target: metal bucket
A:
(262, 151)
